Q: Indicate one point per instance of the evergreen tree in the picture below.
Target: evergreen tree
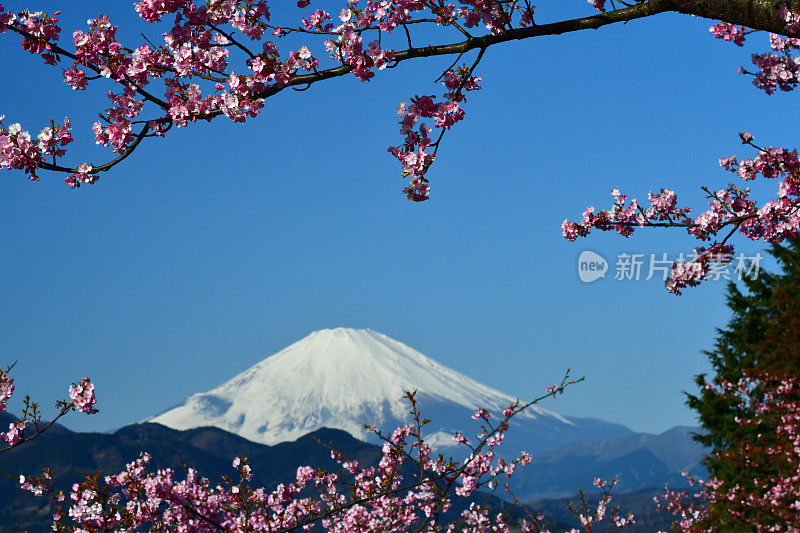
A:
(763, 335)
(779, 354)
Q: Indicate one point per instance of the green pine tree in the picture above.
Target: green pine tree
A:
(763, 335)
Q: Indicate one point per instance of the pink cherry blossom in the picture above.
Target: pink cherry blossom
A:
(82, 395)
(767, 404)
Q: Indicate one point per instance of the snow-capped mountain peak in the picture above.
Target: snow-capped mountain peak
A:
(343, 378)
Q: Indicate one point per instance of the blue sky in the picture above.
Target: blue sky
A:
(216, 247)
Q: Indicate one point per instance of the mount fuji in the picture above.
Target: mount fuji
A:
(342, 378)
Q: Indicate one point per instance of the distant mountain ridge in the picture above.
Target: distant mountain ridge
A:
(641, 460)
(646, 463)
(343, 378)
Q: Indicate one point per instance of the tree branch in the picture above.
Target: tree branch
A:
(756, 14)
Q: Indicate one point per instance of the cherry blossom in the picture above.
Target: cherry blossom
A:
(6, 389)
(730, 210)
(771, 406)
(202, 70)
(82, 400)
(82, 395)
(385, 497)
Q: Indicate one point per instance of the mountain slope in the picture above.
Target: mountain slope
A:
(343, 378)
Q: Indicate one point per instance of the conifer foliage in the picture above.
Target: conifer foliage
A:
(759, 348)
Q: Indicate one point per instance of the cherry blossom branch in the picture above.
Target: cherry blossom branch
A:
(58, 50)
(769, 407)
(107, 166)
(236, 43)
(731, 207)
(135, 498)
(82, 400)
(197, 47)
(491, 434)
(41, 32)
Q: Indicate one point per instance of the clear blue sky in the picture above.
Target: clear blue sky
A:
(212, 249)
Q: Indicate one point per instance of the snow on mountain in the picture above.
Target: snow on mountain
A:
(342, 378)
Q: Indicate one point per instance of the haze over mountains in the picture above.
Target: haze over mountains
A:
(343, 378)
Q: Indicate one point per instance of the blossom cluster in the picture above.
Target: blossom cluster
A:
(770, 407)
(83, 400)
(588, 517)
(730, 208)
(408, 487)
(12, 436)
(779, 69)
(414, 154)
(200, 79)
(39, 31)
(729, 32)
(6, 389)
(19, 151)
(599, 5)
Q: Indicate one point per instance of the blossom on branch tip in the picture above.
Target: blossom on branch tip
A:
(15, 432)
(82, 396)
(691, 273)
(481, 414)
(6, 389)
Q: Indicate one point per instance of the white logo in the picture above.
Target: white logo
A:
(591, 266)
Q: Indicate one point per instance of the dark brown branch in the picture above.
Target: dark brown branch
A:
(128, 151)
(236, 43)
(756, 14)
(483, 42)
(648, 224)
(38, 431)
